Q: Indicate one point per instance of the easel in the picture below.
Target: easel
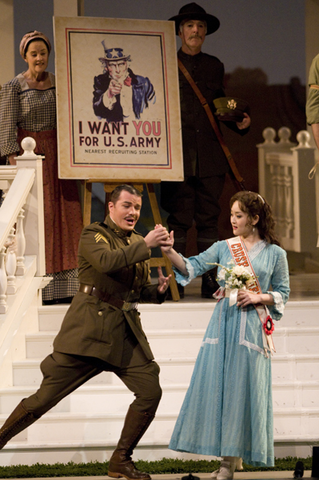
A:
(108, 188)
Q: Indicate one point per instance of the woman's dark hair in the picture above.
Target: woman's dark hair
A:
(36, 40)
(254, 204)
(127, 188)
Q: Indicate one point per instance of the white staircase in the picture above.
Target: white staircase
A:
(86, 425)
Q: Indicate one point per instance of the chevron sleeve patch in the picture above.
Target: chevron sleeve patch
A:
(98, 237)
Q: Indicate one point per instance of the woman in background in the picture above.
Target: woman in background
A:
(227, 411)
(28, 109)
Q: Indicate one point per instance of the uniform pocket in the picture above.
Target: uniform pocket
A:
(102, 322)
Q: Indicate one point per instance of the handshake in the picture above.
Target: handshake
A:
(159, 237)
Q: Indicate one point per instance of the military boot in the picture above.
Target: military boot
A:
(15, 423)
(121, 464)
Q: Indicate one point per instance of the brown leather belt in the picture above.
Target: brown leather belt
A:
(106, 297)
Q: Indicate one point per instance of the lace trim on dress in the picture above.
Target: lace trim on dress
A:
(279, 305)
(183, 279)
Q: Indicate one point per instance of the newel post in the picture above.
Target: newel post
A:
(34, 214)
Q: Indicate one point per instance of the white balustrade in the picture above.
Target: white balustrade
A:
(11, 263)
(283, 181)
(21, 212)
(3, 282)
(20, 244)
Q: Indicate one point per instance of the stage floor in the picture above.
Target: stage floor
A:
(288, 475)
(304, 287)
(285, 475)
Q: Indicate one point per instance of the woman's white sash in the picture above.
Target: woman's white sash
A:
(240, 256)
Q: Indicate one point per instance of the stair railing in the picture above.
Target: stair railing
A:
(283, 181)
(21, 219)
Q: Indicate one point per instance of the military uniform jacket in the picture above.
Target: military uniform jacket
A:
(312, 105)
(117, 264)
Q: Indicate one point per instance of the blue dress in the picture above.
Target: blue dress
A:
(227, 410)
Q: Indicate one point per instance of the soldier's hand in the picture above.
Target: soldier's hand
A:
(246, 121)
(163, 282)
(157, 237)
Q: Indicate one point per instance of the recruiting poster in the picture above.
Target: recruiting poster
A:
(117, 99)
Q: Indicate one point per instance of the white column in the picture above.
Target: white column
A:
(69, 8)
(6, 41)
(312, 49)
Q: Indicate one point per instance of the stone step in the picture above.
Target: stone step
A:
(115, 398)
(179, 315)
(169, 315)
(296, 340)
(295, 394)
(300, 313)
(91, 429)
(93, 415)
(111, 399)
(299, 368)
(175, 343)
(28, 372)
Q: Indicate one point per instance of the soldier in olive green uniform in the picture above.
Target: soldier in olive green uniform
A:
(102, 331)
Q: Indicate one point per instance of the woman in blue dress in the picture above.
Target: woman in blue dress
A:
(227, 411)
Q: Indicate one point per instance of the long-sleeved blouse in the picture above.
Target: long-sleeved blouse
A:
(26, 108)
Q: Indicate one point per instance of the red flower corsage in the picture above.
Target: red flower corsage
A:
(269, 326)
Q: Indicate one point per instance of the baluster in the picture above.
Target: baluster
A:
(288, 196)
(269, 135)
(280, 207)
(284, 134)
(11, 265)
(20, 244)
(274, 191)
(303, 138)
(3, 282)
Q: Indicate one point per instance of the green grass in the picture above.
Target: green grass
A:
(164, 466)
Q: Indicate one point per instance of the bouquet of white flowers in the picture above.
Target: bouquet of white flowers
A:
(236, 277)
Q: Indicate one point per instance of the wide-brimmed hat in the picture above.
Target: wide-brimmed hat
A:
(192, 11)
